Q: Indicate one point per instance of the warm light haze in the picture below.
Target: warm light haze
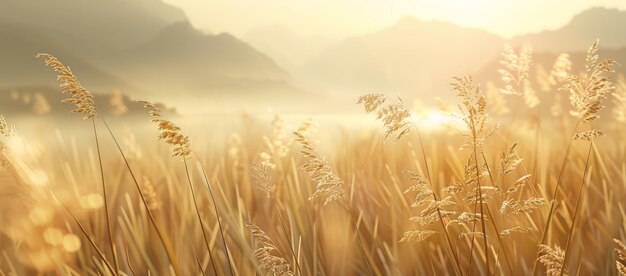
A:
(507, 18)
(312, 137)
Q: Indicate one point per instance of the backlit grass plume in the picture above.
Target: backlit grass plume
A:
(80, 97)
(262, 179)
(169, 131)
(473, 110)
(395, 116)
(328, 184)
(268, 254)
(561, 69)
(589, 90)
(619, 100)
(516, 68)
(515, 74)
(432, 209)
(552, 258)
(6, 130)
(587, 94)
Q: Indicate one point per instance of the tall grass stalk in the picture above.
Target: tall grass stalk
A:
(84, 231)
(554, 200)
(217, 214)
(104, 195)
(576, 208)
(358, 236)
(162, 237)
(439, 216)
(288, 236)
(195, 205)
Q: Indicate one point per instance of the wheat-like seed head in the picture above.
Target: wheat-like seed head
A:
(416, 235)
(80, 97)
(561, 69)
(168, 131)
(395, 116)
(262, 179)
(516, 69)
(619, 100)
(6, 130)
(473, 110)
(516, 229)
(588, 91)
(523, 206)
(588, 135)
(150, 194)
(328, 184)
(426, 203)
(620, 263)
(307, 127)
(497, 101)
(268, 254)
(552, 258)
(515, 74)
(510, 160)
(464, 219)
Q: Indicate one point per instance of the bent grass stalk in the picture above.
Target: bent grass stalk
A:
(181, 146)
(162, 237)
(84, 104)
(397, 120)
(84, 231)
(262, 181)
(329, 186)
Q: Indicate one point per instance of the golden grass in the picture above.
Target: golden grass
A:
(520, 199)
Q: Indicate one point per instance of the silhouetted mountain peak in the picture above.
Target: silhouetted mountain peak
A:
(595, 23)
(597, 15)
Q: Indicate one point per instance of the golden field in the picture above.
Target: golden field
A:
(491, 186)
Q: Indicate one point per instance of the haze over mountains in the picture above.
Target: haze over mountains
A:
(149, 50)
(417, 58)
(144, 47)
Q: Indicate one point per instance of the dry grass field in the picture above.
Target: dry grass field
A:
(492, 187)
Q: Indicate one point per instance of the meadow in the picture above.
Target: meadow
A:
(499, 182)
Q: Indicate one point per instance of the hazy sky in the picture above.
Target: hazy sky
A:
(346, 17)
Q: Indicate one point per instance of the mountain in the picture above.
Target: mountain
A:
(20, 68)
(185, 59)
(289, 49)
(584, 28)
(146, 48)
(413, 57)
(92, 27)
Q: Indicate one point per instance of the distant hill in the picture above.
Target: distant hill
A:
(93, 27)
(584, 28)
(189, 59)
(146, 48)
(412, 57)
(20, 68)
